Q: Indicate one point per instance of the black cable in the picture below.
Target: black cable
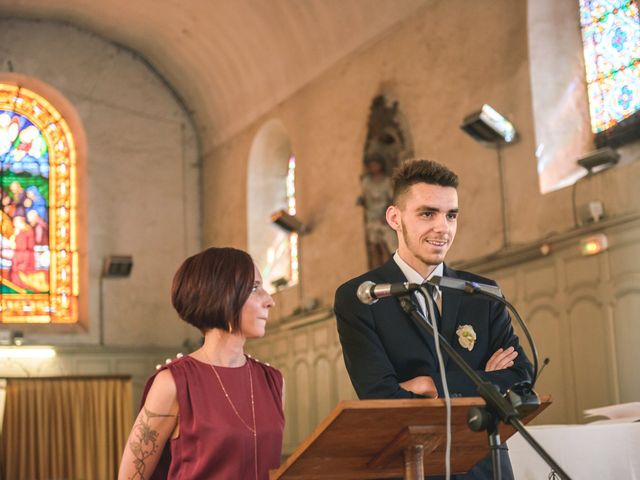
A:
(487, 390)
(532, 344)
(574, 205)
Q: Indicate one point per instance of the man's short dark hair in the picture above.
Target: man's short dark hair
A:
(421, 171)
(211, 287)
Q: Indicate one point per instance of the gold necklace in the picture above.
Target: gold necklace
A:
(253, 413)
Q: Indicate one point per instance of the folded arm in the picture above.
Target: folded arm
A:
(506, 364)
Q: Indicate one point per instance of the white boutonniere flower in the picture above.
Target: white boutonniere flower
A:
(466, 336)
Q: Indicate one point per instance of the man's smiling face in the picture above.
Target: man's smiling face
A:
(425, 219)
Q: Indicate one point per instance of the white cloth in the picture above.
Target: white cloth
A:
(585, 452)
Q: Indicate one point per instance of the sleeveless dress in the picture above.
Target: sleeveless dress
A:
(213, 443)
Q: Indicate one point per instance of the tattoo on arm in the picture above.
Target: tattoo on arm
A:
(145, 442)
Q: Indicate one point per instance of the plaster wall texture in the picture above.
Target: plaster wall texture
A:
(439, 71)
(138, 183)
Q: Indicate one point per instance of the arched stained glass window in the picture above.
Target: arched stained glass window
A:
(291, 201)
(271, 188)
(38, 251)
(281, 261)
(611, 38)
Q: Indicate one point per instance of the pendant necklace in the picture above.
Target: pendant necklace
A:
(253, 413)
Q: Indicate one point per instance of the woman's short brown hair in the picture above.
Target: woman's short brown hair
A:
(210, 288)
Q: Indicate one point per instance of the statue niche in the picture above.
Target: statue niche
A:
(387, 145)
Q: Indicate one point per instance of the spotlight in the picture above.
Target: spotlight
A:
(600, 159)
(489, 126)
(290, 223)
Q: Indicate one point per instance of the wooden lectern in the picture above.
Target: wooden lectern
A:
(378, 439)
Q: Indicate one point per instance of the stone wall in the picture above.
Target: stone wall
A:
(138, 180)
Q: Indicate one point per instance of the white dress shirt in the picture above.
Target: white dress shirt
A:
(415, 277)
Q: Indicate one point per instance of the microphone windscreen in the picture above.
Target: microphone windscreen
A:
(364, 293)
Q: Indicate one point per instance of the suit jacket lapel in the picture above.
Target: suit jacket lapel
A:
(391, 273)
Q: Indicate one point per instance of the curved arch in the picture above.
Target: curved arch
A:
(584, 295)
(542, 307)
(270, 188)
(39, 156)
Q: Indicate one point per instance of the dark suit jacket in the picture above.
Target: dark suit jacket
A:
(383, 347)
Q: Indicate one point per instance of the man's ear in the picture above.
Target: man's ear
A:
(393, 217)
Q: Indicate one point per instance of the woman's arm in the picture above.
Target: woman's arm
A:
(156, 422)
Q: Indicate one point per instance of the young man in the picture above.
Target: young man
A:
(386, 354)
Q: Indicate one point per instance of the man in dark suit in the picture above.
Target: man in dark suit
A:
(386, 354)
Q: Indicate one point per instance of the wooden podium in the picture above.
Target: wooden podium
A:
(375, 439)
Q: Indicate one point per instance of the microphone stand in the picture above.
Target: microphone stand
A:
(498, 407)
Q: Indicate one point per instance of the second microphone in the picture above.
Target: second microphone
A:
(369, 292)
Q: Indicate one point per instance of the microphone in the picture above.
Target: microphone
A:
(465, 285)
(369, 293)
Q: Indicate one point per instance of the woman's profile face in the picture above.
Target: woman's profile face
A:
(255, 311)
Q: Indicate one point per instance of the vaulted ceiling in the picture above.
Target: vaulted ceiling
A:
(230, 60)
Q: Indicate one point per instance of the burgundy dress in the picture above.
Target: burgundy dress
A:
(213, 443)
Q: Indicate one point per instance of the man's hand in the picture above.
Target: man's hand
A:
(421, 386)
(501, 359)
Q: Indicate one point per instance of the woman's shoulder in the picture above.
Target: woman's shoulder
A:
(264, 366)
(166, 375)
(164, 383)
(267, 370)
(160, 393)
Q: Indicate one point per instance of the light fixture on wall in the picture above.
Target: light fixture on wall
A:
(492, 129)
(293, 225)
(117, 266)
(113, 266)
(599, 160)
(594, 162)
(11, 337)
(289, 222)
(594, 244)
(489, 126)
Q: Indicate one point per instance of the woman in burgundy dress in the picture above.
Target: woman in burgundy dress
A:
(216, 413)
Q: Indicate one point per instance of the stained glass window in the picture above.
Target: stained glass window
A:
(282, 254)
(291, 210)
(611, 38)
(38, 251)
